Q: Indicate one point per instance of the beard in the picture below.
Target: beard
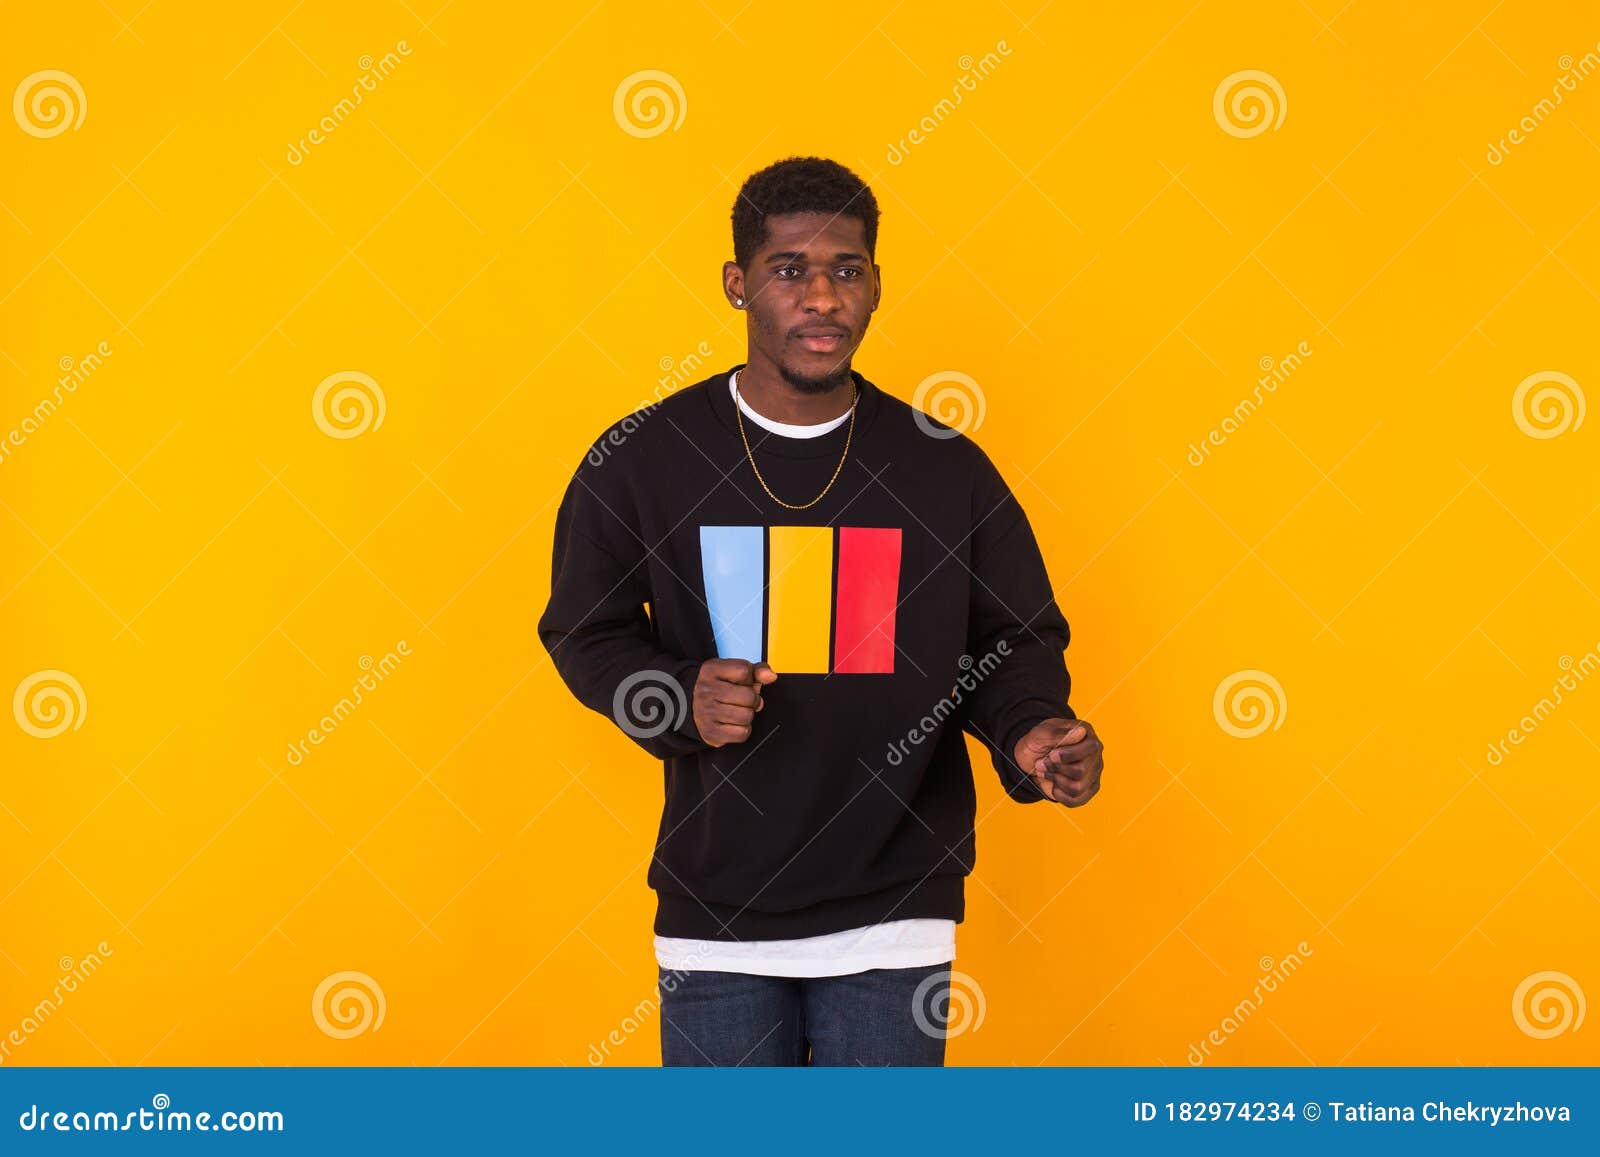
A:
(808, 384)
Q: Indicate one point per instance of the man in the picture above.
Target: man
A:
(801, 594)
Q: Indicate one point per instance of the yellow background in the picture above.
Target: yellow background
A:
(1080, 236)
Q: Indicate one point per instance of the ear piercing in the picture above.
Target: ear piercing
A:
(738, 301)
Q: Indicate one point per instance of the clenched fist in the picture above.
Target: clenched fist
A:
(727, 695)
(1065, 758)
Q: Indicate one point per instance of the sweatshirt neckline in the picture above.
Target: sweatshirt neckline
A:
(766, 441)
(787, 429)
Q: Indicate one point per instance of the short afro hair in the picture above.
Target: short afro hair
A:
(799, 185)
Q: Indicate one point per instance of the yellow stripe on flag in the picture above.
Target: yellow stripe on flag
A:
(800, 598)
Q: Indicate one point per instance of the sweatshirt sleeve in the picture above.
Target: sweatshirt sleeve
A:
(596, 627)
(1013, 619)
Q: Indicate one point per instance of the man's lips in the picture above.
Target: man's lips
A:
(822, 341)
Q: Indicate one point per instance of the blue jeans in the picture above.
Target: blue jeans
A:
(884, 1016)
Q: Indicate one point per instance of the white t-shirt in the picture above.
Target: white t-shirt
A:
(909, 943)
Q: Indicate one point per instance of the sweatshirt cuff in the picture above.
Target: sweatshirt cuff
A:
(687, 674)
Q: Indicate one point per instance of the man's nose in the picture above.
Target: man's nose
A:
(820, 296)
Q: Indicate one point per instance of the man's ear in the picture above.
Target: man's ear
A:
(877, 286)
(733, 283)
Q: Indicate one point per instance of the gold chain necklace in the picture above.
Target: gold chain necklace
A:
(738, 413)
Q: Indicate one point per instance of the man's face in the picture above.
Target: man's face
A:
(810, 292)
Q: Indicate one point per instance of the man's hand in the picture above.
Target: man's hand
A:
(1064, 758)
(727, 695)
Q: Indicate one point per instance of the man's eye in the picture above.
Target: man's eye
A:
(785, 269)
(851, 272)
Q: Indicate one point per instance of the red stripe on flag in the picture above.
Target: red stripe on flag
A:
(864, 612)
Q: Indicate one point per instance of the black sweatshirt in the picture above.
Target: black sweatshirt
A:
(908, 606)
